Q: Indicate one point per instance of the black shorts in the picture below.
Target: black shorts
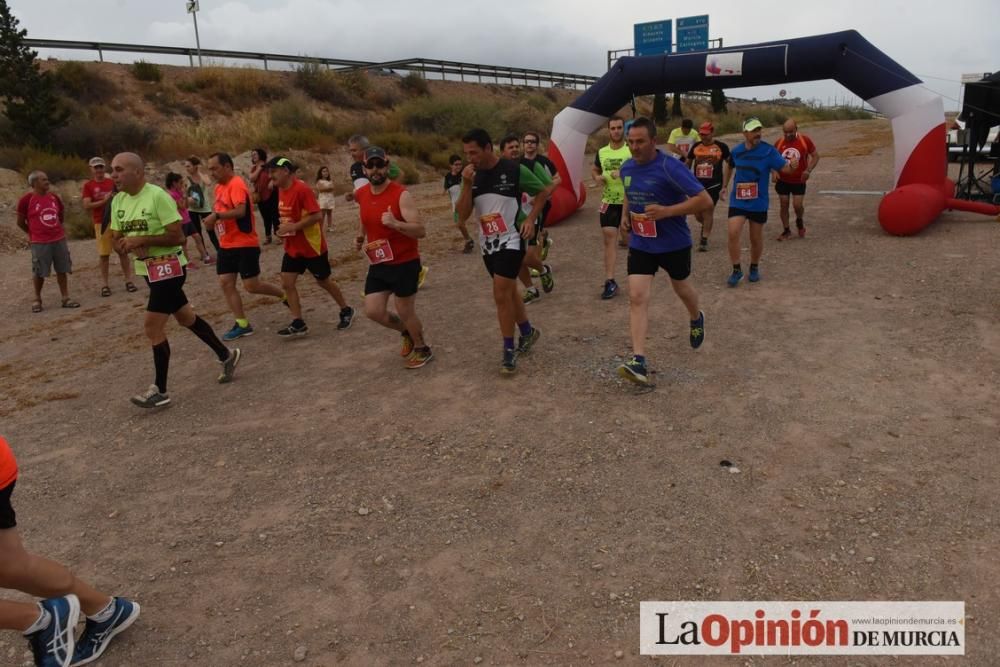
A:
(611, 216)
(783, 188)
(713, 189)
(400, 279)
(193, 227)
(7, 517)
(166, 296)
(319, 267)
(244, 261)
(677, 263)
(505, 263)
(760, 217)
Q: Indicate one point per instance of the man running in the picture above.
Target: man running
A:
(97, 192)
(40, 213)
(492, 187)
(794, 146)
(145, 222)
(659, 193)
(752, 161)
(708, 158)
(391, 225)
(239, 253)
(538, 245)
(50, 625)
(682, 139)
(299, 225)
(607, 175)
(453, 188)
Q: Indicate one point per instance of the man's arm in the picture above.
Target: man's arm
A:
(811, 161)
(232, 214)
(626, 223)
(411, 225)
(173, 235)
(22, 222)
(464, 204)
(696, 204)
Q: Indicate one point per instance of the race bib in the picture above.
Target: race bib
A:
(379, 251)
(492, 224)
(283, 220)
(704, 170)
(220, 230)
(746, 191)
(604, 207)
(163, 268)
(643, 225)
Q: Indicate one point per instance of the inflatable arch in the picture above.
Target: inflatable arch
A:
(922, 190)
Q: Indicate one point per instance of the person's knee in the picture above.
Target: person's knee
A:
(374, 311)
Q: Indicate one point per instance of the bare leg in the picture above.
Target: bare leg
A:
(61, 278)
(331, 286)
(406, 307)
(707, 220)
(756, 242)
(610, 251)
(105, 264)
(505, 296)
(798, 202)
(688, 296)
(38, 283)
(257, 286)
(126, 265)
(294, 304)
(735, 232)
(200, 243)
(228, 283)
(377, 310)
(783, 210)
(639, 287)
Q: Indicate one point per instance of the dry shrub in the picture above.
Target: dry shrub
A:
(144, 71)
(237, 88)
(83, 83)
(58, 167)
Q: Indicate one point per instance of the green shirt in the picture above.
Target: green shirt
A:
(607, 160)
(683, 141)
(146, 213)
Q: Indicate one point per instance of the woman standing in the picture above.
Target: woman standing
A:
(325, 196)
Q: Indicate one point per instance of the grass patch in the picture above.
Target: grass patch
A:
(414, 84)
(237, 88)
(57, 166)
(84, 84)
(144, 71)
(449, 117)
(347, 90)
(169, 103)
(101, 133)
(78, 223)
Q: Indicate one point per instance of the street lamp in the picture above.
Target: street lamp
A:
(192, 8)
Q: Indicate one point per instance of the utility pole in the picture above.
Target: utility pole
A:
(192, 8)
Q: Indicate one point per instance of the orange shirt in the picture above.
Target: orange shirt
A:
(295, 203)
(232, 232)
(395, 247)
(8, 465)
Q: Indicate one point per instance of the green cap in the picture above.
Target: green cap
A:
(751, 124)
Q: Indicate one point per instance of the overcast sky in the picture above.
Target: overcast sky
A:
(932, 39)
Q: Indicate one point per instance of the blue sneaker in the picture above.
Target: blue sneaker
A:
(734, 278)
(610, 289)
(53, 646)
(96, 636)
(754, 275)
(634, 371)
(698, 330)
(238, 332)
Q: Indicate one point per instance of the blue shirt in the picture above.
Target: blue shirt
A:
(665, 181)
(753, 167)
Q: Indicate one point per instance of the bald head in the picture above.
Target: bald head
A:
(790, 127)
(128, 172)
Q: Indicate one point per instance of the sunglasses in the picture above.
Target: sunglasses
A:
(530, 141)
(376, 164)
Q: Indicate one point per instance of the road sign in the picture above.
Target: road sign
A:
(192, 6)
(692, 33)
(782, 93)
(974, 78)
(653, 38)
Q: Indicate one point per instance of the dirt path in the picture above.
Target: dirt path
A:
(333, 500)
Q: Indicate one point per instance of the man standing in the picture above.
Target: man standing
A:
(391, 225)
(659, 193)
(538, 245)
(40, 213)
(607, 175)
(239, 253)
(201, 198)
(752, 162)
(146, 223)
(794, 146)
(453, 188)
(707, 159)
(299, 225)
(97, 192)
(492, 187)
(682, 139)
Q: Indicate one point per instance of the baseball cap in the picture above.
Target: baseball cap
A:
(706, 128)
(97, 162)
(373, 152)
(751, 124)
(281, 161)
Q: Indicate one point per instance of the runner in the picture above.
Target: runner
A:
(97, 192)
(300, 225)
(201, 198)
(50, 625)
(752, 162)
(794, 145)
(40, 213)
(707, 159)
(607, 175)
(659, 193)
(264, 194)
(325, 197)
(234, 225)
(453, 188)
(390, 222)
(682, 139)
(492, 187)
(546, 172)
(146, 223)
(175, 188)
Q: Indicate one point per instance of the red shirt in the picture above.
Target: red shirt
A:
(798, 149)
(295, 203)
(44, 214)
(392, 245)
(228, 197)
(8, 465)
(95, 190)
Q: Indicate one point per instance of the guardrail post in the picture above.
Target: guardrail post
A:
(265, 64)
(191, 59)
(100, 54)
(461, 72)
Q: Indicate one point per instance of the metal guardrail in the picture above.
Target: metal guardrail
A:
(615, 54)
(499, 74)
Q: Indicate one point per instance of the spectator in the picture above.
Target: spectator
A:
(327, 200)
(264, 192)
(97, 193)
(40, 213)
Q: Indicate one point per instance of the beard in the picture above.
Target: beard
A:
(377, 179)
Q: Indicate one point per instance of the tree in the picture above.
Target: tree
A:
(29, 97)
(660, 108)
(675, 111)
(718, 100)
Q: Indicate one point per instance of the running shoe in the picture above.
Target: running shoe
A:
(534, 273)
(610, 289)
(509, 364)
(634, 371)
(734, 278)
(754, 275)
(545, 248)
(531, 295)
(237, 332)
(801, 229)
(470, 245)
(53, 646)
(419, 357)
(407, 348)
(422, 277)
(96, 636)
(703, 246)
(151, 398)
(525, 343)
(698, 330)
(291, 330)
(229, 365)
(346, 318)
(547, 281)
(784, 235)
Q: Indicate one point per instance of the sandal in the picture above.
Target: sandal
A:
(69, 303)
(36, 307)
(129, 287)
(105, 291)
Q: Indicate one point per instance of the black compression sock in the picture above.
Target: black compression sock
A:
(203, 330)
(161, 362)
(737, 268)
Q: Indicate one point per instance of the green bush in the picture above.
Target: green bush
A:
(521, 117)
(539, 103)
(450, 117)
(100, 133)
(78, 223)
(323, 85)
(411, 176)
(418, 146)
(144, 71)
(293, 126)
(84, 84)
(355, 82)
(386, 98)
(57, 167)
(236, 87)
(414, 84)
